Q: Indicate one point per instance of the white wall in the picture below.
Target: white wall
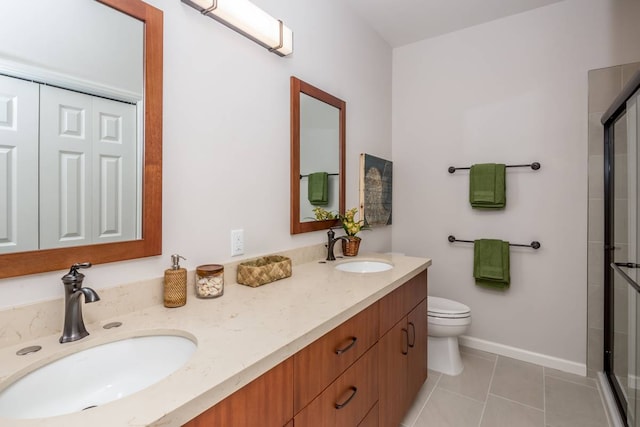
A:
(226, 135)
(509, 91)
(77, 38)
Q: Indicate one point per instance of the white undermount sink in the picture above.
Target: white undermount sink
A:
(95, 376)
(364, 266)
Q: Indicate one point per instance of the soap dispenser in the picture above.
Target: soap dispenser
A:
(175, 283)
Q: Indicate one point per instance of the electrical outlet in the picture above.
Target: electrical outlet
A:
(237, 242)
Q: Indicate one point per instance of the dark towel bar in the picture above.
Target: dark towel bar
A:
(534, 244)
(535, 166)
(330, 174)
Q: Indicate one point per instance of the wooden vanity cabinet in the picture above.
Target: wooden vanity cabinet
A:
(403, 349)
(364, 373)
(266, 402)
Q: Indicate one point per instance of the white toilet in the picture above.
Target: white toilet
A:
(447, 320)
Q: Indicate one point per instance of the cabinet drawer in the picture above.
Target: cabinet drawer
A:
(321, 362)
(348, 400)
(416, 291)
(401, 301)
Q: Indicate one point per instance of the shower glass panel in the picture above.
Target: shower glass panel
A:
(633, 408)
(620, 254)
(633, 156)
(622, 260)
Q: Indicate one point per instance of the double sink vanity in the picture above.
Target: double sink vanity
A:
(338, 343)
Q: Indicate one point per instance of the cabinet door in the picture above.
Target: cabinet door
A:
(371, 420)
(265, 402)
(393, 348)
(401, 301)
(392, 309)
(417, 357)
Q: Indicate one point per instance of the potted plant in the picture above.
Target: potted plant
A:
(351, 244)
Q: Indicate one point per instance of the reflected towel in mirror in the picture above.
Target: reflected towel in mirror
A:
(318, 188)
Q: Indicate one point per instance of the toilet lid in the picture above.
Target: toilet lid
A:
(442, 307)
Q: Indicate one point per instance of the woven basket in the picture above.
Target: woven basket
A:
(263, 270)
(350, 247)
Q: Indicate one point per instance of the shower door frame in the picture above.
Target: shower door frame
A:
(617, 109)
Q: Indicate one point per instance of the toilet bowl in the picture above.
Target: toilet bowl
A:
(447, 320)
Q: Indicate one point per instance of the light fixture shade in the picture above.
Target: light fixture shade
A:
(250, 21)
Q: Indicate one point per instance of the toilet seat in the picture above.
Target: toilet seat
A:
(446, 309)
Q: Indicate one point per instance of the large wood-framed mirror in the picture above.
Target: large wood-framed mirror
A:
(149, 218)
(318, 140)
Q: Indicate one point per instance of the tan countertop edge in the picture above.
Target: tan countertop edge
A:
(240, 336)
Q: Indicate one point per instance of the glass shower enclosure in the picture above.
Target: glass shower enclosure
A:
(622, 251)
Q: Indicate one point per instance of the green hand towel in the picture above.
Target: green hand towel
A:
(487, 186)
(491, 263)
(318, 188)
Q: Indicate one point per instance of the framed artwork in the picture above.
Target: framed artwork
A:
(376, 190)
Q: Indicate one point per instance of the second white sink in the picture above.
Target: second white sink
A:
(95, 376)
(364, 266)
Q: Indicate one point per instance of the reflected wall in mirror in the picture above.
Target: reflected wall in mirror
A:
(117, 208)
(318, 122)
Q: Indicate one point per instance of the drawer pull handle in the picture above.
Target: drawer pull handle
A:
(412, 342)
(405, 335)
(354, 390)
(339, 351)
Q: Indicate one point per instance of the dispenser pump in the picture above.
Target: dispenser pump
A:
(175, 261)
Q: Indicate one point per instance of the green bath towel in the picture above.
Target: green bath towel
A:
(491, 263)
(318, 188)
(487, 188)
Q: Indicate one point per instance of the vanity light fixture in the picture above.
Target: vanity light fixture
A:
(250, 21)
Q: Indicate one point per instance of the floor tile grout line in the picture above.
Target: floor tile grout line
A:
(446, 390)
(515, 401)
(424, 405)
(486, 399)
(557, 377)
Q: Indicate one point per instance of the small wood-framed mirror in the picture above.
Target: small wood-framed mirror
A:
(318, 122)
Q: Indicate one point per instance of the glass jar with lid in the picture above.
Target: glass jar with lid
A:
(209, 281)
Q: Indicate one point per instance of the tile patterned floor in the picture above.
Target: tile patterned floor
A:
(497, 391)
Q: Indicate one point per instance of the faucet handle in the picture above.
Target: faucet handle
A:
(78, 265)
(73, 275)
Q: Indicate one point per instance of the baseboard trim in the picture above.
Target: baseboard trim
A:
(524, 355)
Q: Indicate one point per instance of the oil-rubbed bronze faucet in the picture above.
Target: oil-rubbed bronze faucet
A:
(74, 328)
(331, 241)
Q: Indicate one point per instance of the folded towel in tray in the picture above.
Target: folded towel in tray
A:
(487, 187)
(491, 263)
(318, 188)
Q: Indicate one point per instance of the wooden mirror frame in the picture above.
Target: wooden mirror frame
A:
(298, 87)
(38, 261)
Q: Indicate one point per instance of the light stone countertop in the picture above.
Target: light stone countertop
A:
(240, 336)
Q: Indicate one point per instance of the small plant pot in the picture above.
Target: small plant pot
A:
(351, 246)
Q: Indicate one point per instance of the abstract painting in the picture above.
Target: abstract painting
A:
(376, 177)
